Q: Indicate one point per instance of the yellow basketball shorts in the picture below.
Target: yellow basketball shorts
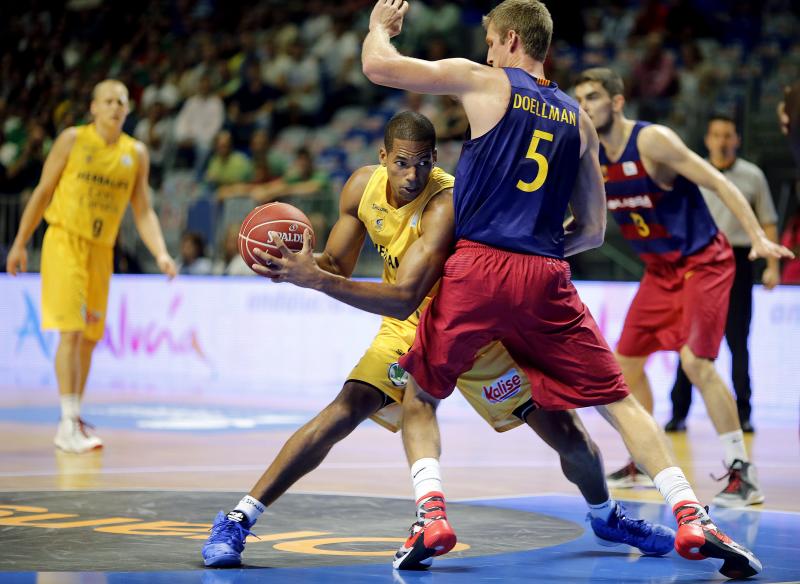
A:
(75, 278)
(495, 386)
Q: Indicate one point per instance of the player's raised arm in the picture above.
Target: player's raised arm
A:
(418, 272)
(348, 233)
(34, 211)
(588, 202)
(384, 65)
(663, 146)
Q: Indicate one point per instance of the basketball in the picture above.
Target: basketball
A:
(287, 221)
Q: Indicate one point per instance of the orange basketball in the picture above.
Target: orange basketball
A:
(287, 221)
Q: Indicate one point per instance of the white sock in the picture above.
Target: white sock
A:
(603, 510)
(70, 406)
(733, 443)
(673, 486)
(251, 507)
(426, 476)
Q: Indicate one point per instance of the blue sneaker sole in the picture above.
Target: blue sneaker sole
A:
(223, 561)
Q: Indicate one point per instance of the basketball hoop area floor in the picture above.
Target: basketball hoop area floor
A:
(139, 510)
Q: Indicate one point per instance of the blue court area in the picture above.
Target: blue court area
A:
(772, 535)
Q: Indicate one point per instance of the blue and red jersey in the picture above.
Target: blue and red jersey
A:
(513, 183)
(661, 225)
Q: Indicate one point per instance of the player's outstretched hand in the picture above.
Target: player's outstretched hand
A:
(388, 14)
(167, 265)
(298, 268)
(17, 260)
(764, 248)
(771, 277)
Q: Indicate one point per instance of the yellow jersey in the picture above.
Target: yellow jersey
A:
(392, 230)
(95, 187)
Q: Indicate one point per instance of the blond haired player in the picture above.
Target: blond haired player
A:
(88, 179)
(401, 204)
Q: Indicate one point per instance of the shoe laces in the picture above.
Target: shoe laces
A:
(431, 509)
(83, 425)
(639, 526)
(690, 513)
(734, 476)
(230, 530)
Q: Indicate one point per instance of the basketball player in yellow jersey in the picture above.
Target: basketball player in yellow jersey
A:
(88, 179)
(393, 203)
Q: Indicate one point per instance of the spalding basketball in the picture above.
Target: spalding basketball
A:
(287, 221)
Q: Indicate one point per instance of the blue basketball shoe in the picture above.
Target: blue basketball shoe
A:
(224, 546)
(652, 539)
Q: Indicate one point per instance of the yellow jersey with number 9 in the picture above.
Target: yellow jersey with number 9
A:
(95, 187)
(392, 230)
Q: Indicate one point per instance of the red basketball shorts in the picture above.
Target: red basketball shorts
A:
(679, 303)
(528, 303)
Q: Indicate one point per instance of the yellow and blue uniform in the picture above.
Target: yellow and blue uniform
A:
(83, 219)
(495, 386)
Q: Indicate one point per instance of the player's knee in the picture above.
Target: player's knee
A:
(698, 369)
(354, 404)
(70, 341)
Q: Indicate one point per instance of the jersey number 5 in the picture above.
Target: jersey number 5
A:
(541, 175)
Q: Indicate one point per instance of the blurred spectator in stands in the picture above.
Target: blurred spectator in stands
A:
(789, 118)
(22, 170)
(227, 166)
(193, 260)
(419, 103)
(198, 122)
(230, 263)
(655, 79)
(450, 120)
(163, 89)
(651, 18)
(251, 106)
(155, 131)
(297, 74)
(339, 53)
(267, 163)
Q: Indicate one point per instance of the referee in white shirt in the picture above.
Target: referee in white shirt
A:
(722, 141)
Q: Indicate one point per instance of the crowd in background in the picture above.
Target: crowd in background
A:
(245, 103)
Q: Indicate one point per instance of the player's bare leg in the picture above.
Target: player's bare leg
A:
(580, 458)
(431, 534)
(86, 351)
(302, 453)
(583, 465)
(71, 435)
(635, 376)
(742, 482)
(308, 446)
(697, 538)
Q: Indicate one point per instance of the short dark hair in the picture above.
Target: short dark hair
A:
(608, 78)
(530, 19)
(721, 117)
(409, 126)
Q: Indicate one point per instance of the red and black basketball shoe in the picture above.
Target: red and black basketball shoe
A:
(698, 538)
(431, 535)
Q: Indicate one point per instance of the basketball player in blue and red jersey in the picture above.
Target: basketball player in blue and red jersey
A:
(532, 154)
(652, 191)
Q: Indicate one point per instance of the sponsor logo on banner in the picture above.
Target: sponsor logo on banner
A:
(397, 375)
(503, 388)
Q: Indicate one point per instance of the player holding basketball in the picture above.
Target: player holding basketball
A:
(532, 154)
(90, 175)
(652, 190)
(401, 204)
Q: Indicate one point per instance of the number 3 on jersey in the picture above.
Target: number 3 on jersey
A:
(540, 159)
